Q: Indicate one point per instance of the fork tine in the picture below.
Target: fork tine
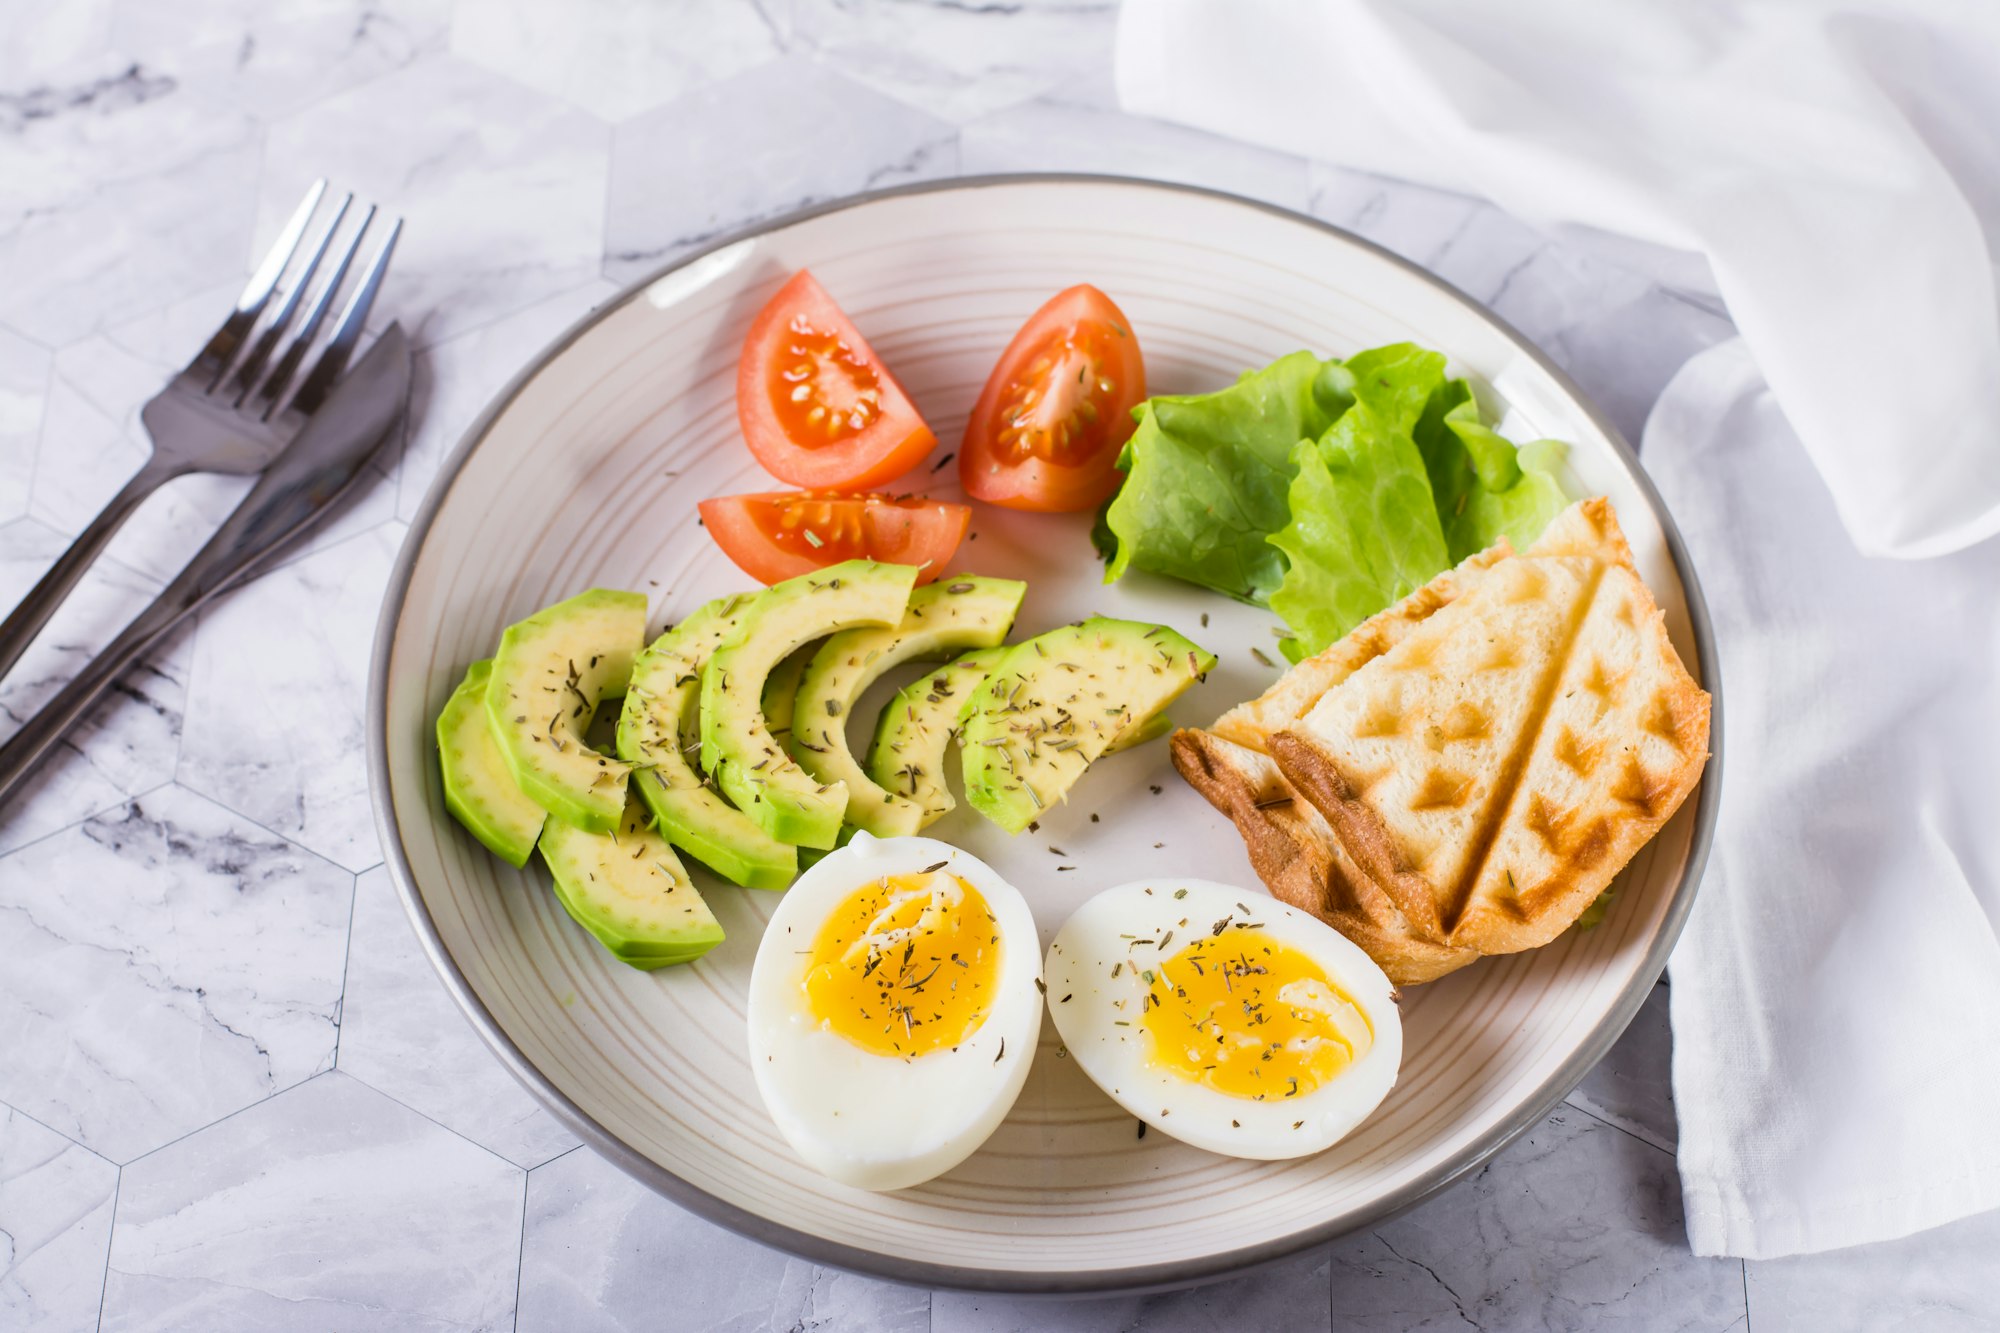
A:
(247, 374)
(273, 389)
(348, 332)
(213, 359)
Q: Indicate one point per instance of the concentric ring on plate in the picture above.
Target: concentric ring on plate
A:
(585, 470)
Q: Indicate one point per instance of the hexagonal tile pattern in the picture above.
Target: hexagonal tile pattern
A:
(163, 209)
(1633, 1086)
(329, 1206)
(55, 1226)
(24, 390)
(402, 1034)
(780, 137)
(277, 693)
(1290, 1294)
(965, 60)
(127, 743)
(602, 1253)
(502, 193)
(618, 58)
(1598, 306)
(1061, 136)
(274, 59)
(167, 964)
(45, 37)
(453, 381)
(1577, 1225)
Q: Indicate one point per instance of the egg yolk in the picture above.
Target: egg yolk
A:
(905, 965)
(1250, 1017)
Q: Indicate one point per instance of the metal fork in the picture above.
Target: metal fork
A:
(208, 420)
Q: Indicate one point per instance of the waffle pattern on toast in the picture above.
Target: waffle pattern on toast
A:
(1466, 772)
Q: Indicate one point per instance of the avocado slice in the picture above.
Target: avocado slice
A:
(911, 736)
(958, 612)
(920, 723)
(659, 708)
(629, 890)
(548, 677)
(1058, 701)
(478, 789)
(749, 765)
(781, 692)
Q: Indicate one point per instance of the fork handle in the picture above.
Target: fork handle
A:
(197, 583)
(28, 618)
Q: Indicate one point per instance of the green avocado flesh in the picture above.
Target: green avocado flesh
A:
(919, 725)
(548, 677)
(478, 789)
(956, 612)
(1058, 701)
(781, 692)
(658, 714)
(629, 890)
(752, 769)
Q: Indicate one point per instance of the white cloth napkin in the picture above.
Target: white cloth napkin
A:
(1840, 168)
(1836, 996)
(1836, 999)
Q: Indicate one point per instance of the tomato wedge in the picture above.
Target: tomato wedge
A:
(817, 406)
(1049, 425)
(777, 535)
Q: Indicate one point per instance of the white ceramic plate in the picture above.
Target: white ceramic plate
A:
(586, 471)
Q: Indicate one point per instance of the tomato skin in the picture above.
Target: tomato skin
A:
(763, 533)
(1071, 377)
(802, 344)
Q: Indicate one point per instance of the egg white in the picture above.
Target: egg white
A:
(1113, 927)
(880, 1122)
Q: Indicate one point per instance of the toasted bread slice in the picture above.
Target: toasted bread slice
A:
(1588, 528)
(1414, 758)
(1293, 695)
(1294, 851)
(1477, 761)
(1622, 744)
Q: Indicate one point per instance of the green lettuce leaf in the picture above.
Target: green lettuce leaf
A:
(1363, 528)
(1207, 475)
(1483, 487)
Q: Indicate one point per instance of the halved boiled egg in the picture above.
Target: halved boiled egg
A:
(1232, 1021)
(894, 1007)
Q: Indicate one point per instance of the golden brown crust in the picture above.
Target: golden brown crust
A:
(1293, 694)
(1299, 859)
(1547, 782)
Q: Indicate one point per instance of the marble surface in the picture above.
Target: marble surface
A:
(233, 1095)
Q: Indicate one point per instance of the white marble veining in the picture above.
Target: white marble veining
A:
(401, 1033)
(501, 189)
(193, 983)
(453, 380)
(275, 59)
(965, 60)
(823, 137)
(167, 963)
(1067, 135)
(277, 695)
(24, 388)
(587, 1223)
(1632, 1087)
(129, 743)
(619, 58)
(1577, 1225)
(328, 1206)
(162, 208)
(55, 1227)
